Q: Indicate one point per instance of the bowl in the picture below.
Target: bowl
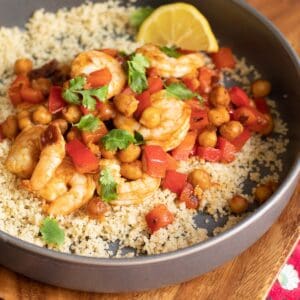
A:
(249, 34)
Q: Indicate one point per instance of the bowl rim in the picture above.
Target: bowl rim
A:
(286, 184)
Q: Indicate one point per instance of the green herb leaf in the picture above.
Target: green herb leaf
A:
(108, 186)
(138, 16)
(51, 232)
(137, 79)
(170, 51)
(117, 139)
(139, 139)
(76, 94)
(180, 91)
(88, 123)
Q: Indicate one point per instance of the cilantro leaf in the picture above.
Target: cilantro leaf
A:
(108, 186)
(139, 139)
(51, 232)
(138, 16)
(117, 139)
(76, 94)
(88, 123)
(137, 79)
(170, 51)
(180, 91)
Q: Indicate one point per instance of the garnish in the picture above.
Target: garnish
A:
(139, 16)
(51, 232)
(170, 51)
(137, 79)
(76, 94)
(139, 139)
(180, 91)
(88, 123)
(108, 186)
(117, 139)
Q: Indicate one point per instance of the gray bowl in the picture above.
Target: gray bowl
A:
(251, 35)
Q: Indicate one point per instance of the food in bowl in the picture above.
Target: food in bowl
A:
(101, 145)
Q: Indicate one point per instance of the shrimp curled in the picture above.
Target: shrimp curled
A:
(169, 66)
(90, 61)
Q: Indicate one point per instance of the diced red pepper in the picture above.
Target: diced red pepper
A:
(155, 84)
(172, 163)
(110, 51)
(239, 97)
(241, 140)
(94, 136)
(209, 153)
(154, 161)
(128, 91)
(227, 150)
(205, 79)
(144, 102)
(183, 151)
(84, 160)
(14, 91)
(159, 217)
(191, 83)
(28, 94)
(261, 105)
(174, 181)
(223, 58)
(56, 102)
(187, 196)
(99, 78)
(199, 116)
(152, 72)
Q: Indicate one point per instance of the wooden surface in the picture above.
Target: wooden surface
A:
(248, 276)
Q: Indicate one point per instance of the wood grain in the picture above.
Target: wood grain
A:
(248, 276)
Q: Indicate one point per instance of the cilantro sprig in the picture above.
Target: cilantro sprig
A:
(180, 91)
(51, 232)
(117, 139)
(137, 79)
(76, 94)
(108, 186)
(88, 123)
(170, 51)
(138, 16)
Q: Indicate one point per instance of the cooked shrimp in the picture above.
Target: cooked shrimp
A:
(52, 154)
(169, 66)
(173, 127)
(24, 153)
(90, 61)
(130, 192)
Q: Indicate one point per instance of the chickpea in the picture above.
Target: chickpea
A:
(42, 84)
(263, 192)
(130, 154)
(126, 104)
(96, 208)
(10, 127)
(150, 117)
(74, 133)
(108, 154)
(231, 130)
(261, 88)
(268, 124)
(238, 204)
(41, 115)
(132, 171)
(106, 111)
(245, 115)
(208, 137)
(24, 119)
(219, 115)
(23, 66)
(200, 178)
(219, 96)
(62, 124)
(72, 113)
(126, 123)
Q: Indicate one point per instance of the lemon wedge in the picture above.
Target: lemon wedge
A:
(178, 24)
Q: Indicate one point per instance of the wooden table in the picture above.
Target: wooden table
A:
(248, 276)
